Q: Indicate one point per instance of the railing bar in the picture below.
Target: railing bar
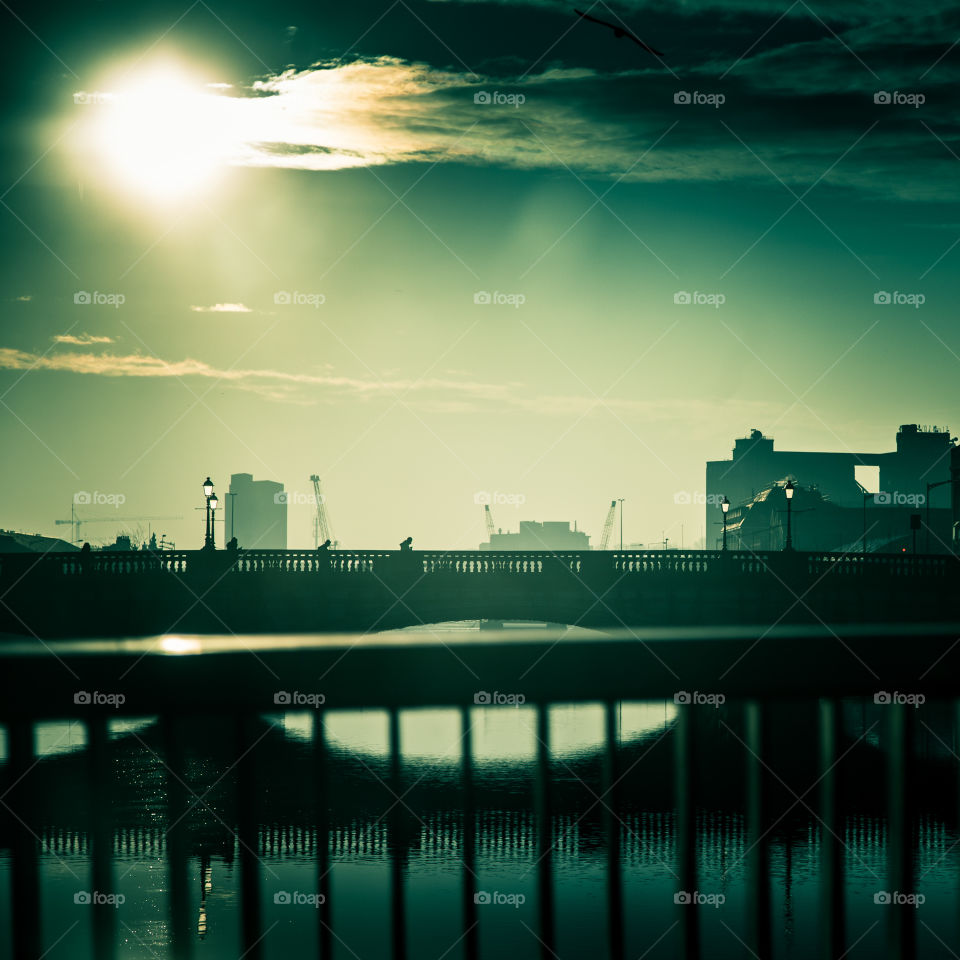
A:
(101, 837)
(831, 835)
(612, 816)
(469, 860)
(322, 780)
(25, 881)
(685, 803)
(900, 873)
(759, 930)
(397, 851)
(247, 836)
(178, 838)
(544, 835)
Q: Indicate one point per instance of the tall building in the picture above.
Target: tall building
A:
(256, 513)
(922, 456)
(550, 535)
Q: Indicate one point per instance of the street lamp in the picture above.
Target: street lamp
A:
(211, 500)
(724, 506)
(214, 503)
(788, 492)
(620, 501)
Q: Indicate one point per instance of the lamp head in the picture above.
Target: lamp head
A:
(788, 489)
(207, 487)
(724, 504)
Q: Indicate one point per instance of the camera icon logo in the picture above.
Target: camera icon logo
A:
(282, 297)
(281, 896)
(884, 499)
(882, 898)
(482, 297)
(682, 497)
(281, 697)
(881, 96)
(481, 96)
(482, 497)
(482, 698)
(682, 297)
(882, 697)
(82, 497)
(682, 697)
(682, 898)
(881, 296)
(481, 897)
(283, 497)
(681, 96)
(82, 697)
(82, 897)
(82, 296)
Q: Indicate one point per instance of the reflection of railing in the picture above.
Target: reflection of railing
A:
(237, 680)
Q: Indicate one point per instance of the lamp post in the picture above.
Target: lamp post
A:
(620, 501)
(208, 496)
(214, 503)
(788, 492)
(724, 506)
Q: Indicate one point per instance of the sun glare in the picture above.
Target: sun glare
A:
(162, 135)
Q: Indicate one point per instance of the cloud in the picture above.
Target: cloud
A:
(276, 383)
(792, 109)
(81, 340)
(223, 308)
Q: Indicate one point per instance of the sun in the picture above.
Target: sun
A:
(162, 135)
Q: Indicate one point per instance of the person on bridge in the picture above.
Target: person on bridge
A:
(324, 547)
(406, 544)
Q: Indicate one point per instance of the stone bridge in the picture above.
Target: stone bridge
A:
(262, 591)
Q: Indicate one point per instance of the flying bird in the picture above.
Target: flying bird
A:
(619, 31)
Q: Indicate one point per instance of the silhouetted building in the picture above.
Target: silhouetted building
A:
(13, 542)
(760, 524)
(256, 513)
(922, 456)
(550, 535)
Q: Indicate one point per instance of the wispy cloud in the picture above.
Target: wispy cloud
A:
(80, 340)
(223, 308)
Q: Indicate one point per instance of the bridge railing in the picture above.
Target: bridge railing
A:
(470, 562)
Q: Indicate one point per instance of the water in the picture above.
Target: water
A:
(371, 829)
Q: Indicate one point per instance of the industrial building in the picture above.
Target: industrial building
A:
(256, 513)
(922, 457)
(550, 535)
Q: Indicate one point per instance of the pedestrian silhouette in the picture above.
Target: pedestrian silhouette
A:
(406, 544)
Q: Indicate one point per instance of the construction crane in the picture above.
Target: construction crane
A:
(322, 531)
(488, 517)
(608, 525)
(76, 522)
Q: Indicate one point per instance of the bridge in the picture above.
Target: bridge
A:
(268, 591)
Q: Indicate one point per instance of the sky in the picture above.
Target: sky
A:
(439, 251)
